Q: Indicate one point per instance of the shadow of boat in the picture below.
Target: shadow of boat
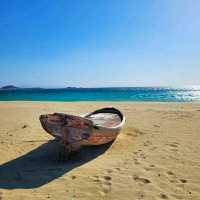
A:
(41, 166)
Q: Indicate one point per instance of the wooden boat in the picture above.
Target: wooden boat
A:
(96, 128)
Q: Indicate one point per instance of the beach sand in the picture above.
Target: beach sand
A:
(156, 155)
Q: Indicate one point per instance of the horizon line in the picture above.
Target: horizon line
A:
(98, 87)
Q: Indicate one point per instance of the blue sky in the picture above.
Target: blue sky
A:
(58, 43)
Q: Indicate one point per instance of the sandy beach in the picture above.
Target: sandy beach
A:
(156, 155)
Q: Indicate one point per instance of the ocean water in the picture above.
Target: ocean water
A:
(157, 94)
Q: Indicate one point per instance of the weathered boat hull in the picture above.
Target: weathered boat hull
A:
(96, 128)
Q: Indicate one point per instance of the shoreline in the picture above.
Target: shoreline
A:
(120, 102)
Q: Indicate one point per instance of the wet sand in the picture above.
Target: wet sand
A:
(156, 156)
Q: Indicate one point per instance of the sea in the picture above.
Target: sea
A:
(138, 94)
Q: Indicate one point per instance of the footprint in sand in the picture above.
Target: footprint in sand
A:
(142, 156)
(73, 177)
(109, 171)
(163, 196)
(107, 178)
(24, 126)
(131, 134)
(173, 146)
(96, 179)
(149, 168)
(141, 180)
(138, 131)
(136, 161)
(153, 148)
(105, 182)
(140, 195)
(157, 126)
(147, 143)
(175, 179)
(170, 173)
(183, 180)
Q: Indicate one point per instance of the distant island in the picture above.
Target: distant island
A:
(72, 88)
(9, 87)
(13, 87)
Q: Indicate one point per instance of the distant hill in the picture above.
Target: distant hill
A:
(9, 87)
(73, 88)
